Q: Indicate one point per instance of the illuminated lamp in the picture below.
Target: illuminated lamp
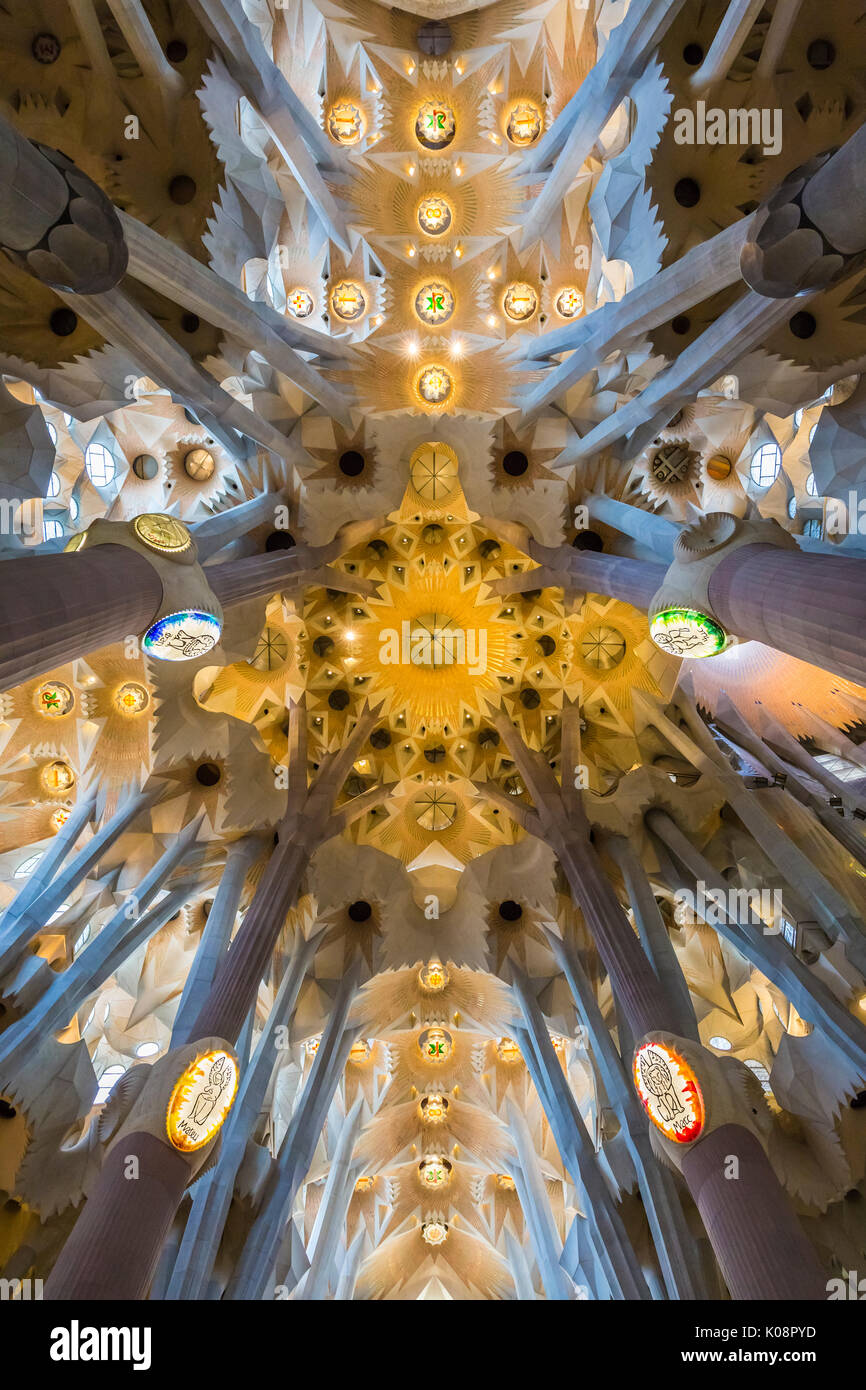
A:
(436, 1044)
(507, 1050)
(131, 698)
(345, 123)
(348, 301)
(57, 777)
(434, 304)
(434, 385)
(300, 303)
(569, 303)
(54, 699)
(434, 1232)
(434, 215)
(433, 976)
(524, 123)
(520, 301)
(434, 1171)
(433, 1108)
(435, 125)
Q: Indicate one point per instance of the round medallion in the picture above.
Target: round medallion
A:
(131, 698)
(433, 976)
(162, 532)
(201, 1099)
(436, 1044)
(524, 123)
(434, 1171)
(434, 385)
(569, 303)
(300, 303)
(54, 699)
(433, 469)
(345, 123)
(435, 125)
(57, 777)
(670, 1091)
(434, 214)
(348, 301)
(602, 647)
(433, 1108)
(434, 304)
(436, 810)
(520, 302)
(434, 1232)
(718, 468)
(182, 636)
(685, 632)
(198, 464)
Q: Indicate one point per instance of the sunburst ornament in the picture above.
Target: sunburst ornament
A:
(434, 1232)
(434, 385)
(433, 977)
(57, 777)
(569, 302)
(520, 302)
(435, 214)
(54, 699)
(345, 123)
(437, 647)
(435, 1044)
(434, 304)
(434, 1171)
(435, 125)
(300, 303)
(131, 698)
(524, 123)
(348, 301)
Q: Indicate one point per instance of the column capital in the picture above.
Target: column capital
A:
(681, 616)
(188, 621)
(688, 1093)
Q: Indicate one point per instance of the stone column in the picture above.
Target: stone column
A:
(215, 937)
(119, 1257)
(55, 608)
(758, 1241)
(653, 933)
(810, 606)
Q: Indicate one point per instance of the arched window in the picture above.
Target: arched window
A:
(54, 485)
(27, 866)
(147, 1049)
(107, 1081)
(51, 530)
(719, 1043)
(766, 463)
(811, 485)
(100, 465)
